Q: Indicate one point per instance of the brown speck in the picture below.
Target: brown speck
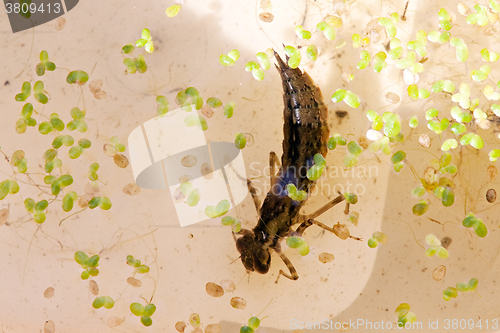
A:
(326, 257)
(93, 287)
(341, 115)
(491, 195)
(4, 214)
(445, 242)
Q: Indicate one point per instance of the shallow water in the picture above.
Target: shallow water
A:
(359, 284)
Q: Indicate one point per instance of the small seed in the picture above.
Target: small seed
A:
(374, 36)
(49, 327)
(134, 282)
(84, 200)
(491, 195)
(206, 171)
(93, 287)
(178, 196)
(439, 273)
(492, 173)
(463, 9)
(60, 23)
(228, 285)
(424, 140)
(49, 292)
(180, 326)
(326, 257)
(115, 321)
(100, 94)
(109, 150)
(214, 289)
(131, 189)
(95, 86)
(266, 5)
(92, 189)
(189, 161)
(266, 17)
(120, 160)
(194, 320)
(207, 111)
(392, 98)
(184, 178)
(213, 328)
(341, 231)
(238, 303)
(362, 142)
(490, 31)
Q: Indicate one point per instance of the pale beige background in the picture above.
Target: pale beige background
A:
(361, 283)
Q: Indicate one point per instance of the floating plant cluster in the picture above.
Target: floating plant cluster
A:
(455, 127)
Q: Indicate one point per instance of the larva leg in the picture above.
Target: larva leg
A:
(273, 162)
(346, 210)
(293, 273)
(323, 209)
(255, 198)
(338, 229)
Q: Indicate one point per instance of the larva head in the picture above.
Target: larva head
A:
(253, 256)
